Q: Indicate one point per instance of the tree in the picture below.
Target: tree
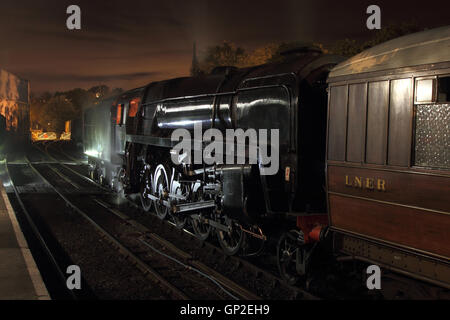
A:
(390, 32)
(116, 91)
(51, 112)
(79, 98)
(100, 91)
(260, 55)
(227, 54)
(346, 48)
(349, 48)
(56, 112)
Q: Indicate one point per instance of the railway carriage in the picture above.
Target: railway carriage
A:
(388, 155)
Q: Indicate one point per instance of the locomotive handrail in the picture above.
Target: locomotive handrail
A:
(211, 95)
(270, 76)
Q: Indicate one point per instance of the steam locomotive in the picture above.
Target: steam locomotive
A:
(361, 147)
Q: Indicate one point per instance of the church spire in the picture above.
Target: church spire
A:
(195, 70)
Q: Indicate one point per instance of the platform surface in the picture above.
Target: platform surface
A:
(19, 276)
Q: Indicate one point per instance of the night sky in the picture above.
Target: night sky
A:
(131, 43)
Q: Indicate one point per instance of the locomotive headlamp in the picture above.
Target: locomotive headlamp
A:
(92, 153)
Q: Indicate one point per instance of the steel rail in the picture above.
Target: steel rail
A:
(153, 274)
(74, 171)
(204, 270)
(38, 235)
(245, 294)
(192, 263)
(69, 156)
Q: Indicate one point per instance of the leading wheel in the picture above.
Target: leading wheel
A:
(231, 241)
(286, 256)
(161, 188)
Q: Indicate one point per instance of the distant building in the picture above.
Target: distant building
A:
(15, 102)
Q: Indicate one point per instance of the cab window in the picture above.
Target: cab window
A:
(134, 106)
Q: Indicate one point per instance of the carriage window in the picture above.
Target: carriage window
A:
(119, 114)
(444, 89)
(432, 130)
(432, 147)
(425, 90)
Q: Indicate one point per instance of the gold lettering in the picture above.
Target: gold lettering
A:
(381, 185)
(358, 182)
(369, 183)
(365, 183)
(347, 183)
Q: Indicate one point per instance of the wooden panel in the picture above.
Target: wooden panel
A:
(400, 119)
(420, 190)
(357, 103)
(409, 227)
(377, 117)
(337, 129)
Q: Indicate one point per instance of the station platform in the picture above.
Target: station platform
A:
(20, 278)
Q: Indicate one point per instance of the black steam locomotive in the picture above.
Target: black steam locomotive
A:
(229, 191)
(235, 198)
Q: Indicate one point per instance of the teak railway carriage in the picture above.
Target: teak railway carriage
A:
(388, 155)
(371, 173)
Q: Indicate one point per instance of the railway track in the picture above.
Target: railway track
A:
(264, 282)
(139, 246)
(164, 238)
(47, 252)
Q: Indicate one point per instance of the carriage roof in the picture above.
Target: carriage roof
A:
(421, 48)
